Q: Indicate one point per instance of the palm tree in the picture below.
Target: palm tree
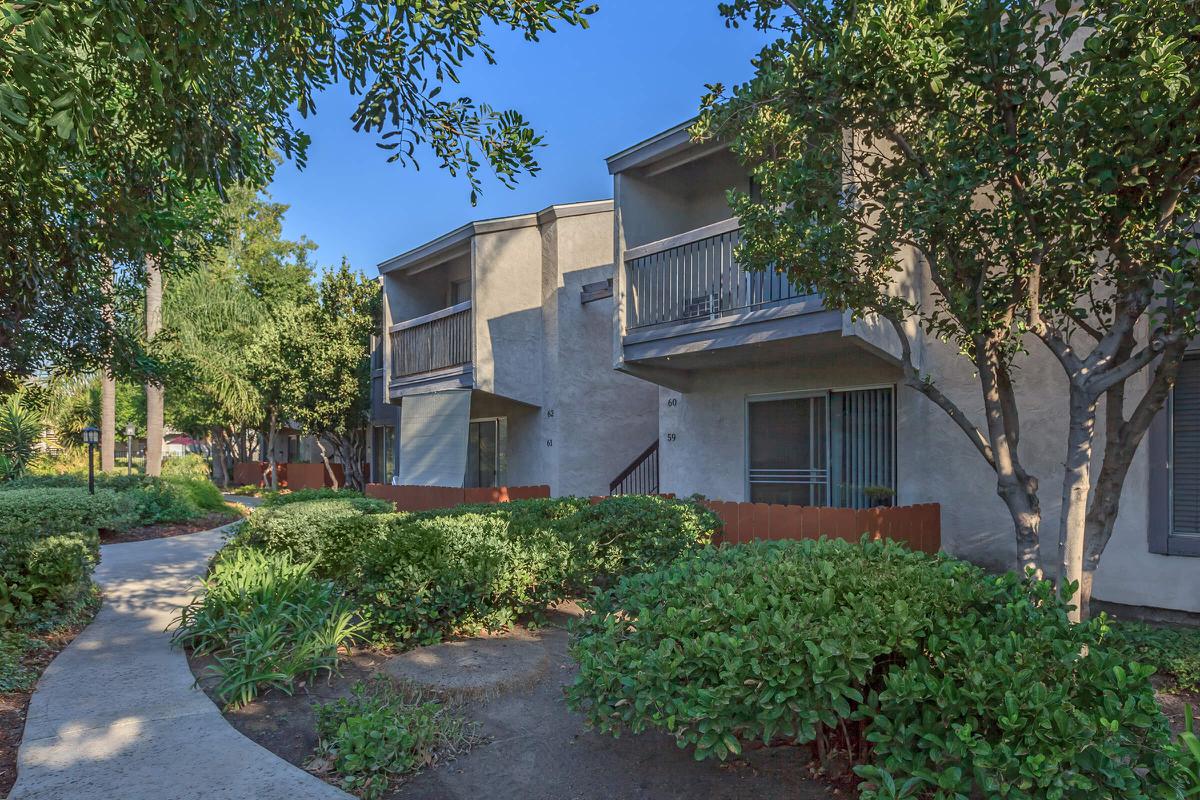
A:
(20, 430)
(154, 393)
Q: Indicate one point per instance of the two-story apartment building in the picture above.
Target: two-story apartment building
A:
(495, 367)
(766, 395)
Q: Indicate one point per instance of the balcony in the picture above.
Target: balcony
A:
(688, 293)
(432, 348)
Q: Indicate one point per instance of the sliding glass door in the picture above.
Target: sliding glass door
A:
(833, 448)
(486, 446)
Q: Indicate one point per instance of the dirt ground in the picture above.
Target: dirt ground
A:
(538, 750)
(165, 529)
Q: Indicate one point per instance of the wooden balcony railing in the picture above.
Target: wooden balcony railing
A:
(695, 276)
(433, 342)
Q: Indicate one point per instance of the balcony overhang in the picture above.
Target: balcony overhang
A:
(458, 377)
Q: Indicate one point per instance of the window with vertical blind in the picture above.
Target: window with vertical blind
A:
(1175, 468)
(486, 453)
(830, 448)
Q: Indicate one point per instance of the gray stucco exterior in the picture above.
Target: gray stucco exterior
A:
(539, 355)
(708, 369)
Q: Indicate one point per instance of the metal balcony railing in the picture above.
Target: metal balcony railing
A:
(695, 276)
(433, 342)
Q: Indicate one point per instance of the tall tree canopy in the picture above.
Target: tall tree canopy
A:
(1040, 161)
(114, 115)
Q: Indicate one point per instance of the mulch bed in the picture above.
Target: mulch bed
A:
(165, 529)
(13, 705)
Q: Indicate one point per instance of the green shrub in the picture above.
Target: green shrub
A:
(202, 493)
(275, 499)
(51, 511)
(1174, 652)
(757, 641)
(966, 685)
(1012, 700)
(629, 534)
(330, 533)
(190, 465)
(27, 638)
(429, 575)
(381, 733)
(42, 575)
(267, 623)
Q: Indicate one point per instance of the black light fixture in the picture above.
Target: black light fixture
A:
(91, 435)
(130, 431)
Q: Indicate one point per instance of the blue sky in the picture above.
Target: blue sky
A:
(639, 69)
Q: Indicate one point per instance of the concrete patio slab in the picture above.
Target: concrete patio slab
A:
(116, 714)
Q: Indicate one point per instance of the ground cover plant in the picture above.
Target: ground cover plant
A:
(933, 678)
(267, 622)
(1174, 652)
(381, 733)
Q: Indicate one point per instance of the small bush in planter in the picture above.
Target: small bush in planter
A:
(275, 499)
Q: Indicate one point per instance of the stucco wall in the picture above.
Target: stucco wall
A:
(506, 306)
(602, 419)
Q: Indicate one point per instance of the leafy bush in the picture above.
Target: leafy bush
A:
(44, 574)
(1012, 700)
(381, 733)
(202, 493)
(329, 533)
(190, 465)
(20, 430)
(267, 623)
(1174, 652)
(275, 499)
(54, 511)
(19, 671)
(429, 575)
(966, 685)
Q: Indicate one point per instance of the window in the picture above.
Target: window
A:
(1175, 468)
(830, 448)
(383, 452)
(486, 446)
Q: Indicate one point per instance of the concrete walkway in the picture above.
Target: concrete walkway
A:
(116, 715)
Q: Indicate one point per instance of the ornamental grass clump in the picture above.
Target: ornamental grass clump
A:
(267, 623)
(930, 677)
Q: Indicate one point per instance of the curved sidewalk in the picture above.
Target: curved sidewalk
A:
(116, 714)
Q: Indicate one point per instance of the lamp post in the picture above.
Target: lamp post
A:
(91, 435)
(130, 430)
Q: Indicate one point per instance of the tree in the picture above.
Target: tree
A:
(334, 356)
(1041, 164)
(113, 114)
(274, 366)
(154, 390)
(20, 430)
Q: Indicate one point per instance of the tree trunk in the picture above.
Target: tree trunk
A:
(351, 449)
(273, 476)
(1077, 485)
(333, 481)
(154, 392)
(108, 422)
(108, 388)
(220, 468)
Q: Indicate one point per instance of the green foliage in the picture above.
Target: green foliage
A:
(43, 574)
(20, 431)
(431, 574)
(48, 511)
(965, 685)
(23, 645)
(275, 499)
(1188, 749)
(331, 534)
(1012, 700)
(191, 465)
(381, 733)
(419, 577)
(267, 622)
(121, 501)
(1174, 652)
(110, 148)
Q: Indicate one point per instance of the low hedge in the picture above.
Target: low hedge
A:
(275, 499)
(417, 577)
(51, 511)
(965, 685)
(42, 575)
(142, 500)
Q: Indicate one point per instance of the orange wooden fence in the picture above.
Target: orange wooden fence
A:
(428, 498)
(290, 476)
(919, 526)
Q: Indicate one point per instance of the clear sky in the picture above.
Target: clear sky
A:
(639, 69)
